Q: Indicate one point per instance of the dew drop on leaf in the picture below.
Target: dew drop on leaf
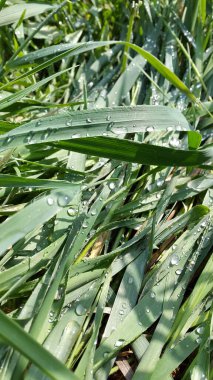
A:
(80, 310)
(174, 260)
(76, 136)
(111, 185)
(150, 129)
(50, 201)
(72, 211)
(119, 342)
(63, 200)
(130, 280)
(200, 330)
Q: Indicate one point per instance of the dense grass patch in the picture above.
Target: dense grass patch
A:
(106, 212)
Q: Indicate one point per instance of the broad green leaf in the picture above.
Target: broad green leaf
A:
(130, 151)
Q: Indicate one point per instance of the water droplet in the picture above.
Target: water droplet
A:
(119, 342)
(80, 310)
(169, 129)
(152, 294)
(150, 129)
(111, 185)
(106, 354)
(93, 212)
(50, 201)
(159, 182)
(174, 260)
(130, 280)
(63, 200)
(174, 142)
(84, 225)
(89, 120)
(147, 310)
(8, 140)
(178, 271)
(72, 211)
(121, 312)
(174, 247)
(200, 330)
(108, 118)
(76, 136)
(69, 123)
(198, 340)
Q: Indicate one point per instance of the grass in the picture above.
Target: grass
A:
(106, 190)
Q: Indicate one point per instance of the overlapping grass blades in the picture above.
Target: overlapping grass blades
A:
(105, 189)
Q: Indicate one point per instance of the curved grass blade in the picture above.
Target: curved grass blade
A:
(22, 93)
(155, 62)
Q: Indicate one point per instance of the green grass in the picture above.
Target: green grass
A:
(106, 200)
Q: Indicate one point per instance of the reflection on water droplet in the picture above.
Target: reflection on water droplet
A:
(8, 140)
(72, 211)
(89, 120)
(174, 260)
(178, 271)
(119, 342)
(50, 201)
(198, 340)
(152, 294)
(150, 129)
(121, 312)
(174, 142)
(76, 136)
(200, 330)
(169, 129)
(159, 182)
(80, 310)
(108, 118)
(69, 123)
(111, 185)
(147, 310)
